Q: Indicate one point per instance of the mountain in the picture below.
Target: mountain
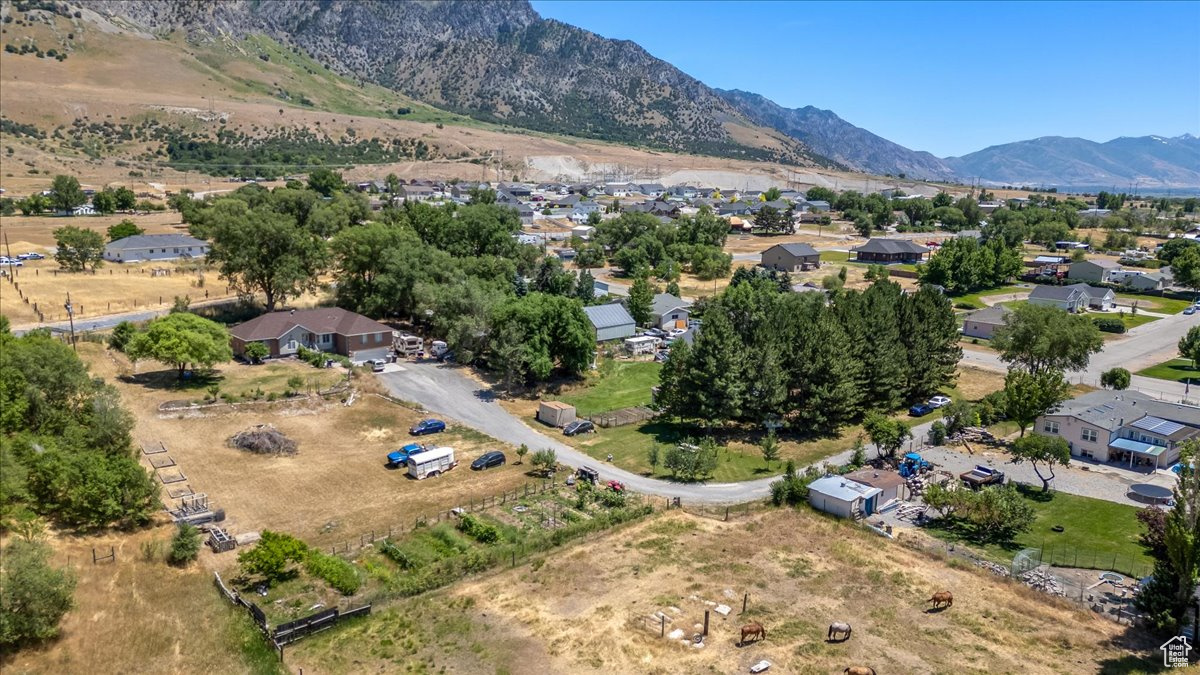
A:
(493, 60)
(835, 138)
(1149, 161)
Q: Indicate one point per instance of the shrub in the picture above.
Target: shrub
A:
(256, 352)
(185, 545)
(612, 499)
(33, 595)
(1110, 325)
(937, 433)
(478, 530)
(121, 335)
(271, 555)
(339, 574)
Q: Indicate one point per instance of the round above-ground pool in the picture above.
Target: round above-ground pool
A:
(1150, 494)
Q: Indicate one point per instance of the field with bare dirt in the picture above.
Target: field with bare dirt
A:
(596, 607)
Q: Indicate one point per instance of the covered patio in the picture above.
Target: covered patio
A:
(1135, 454)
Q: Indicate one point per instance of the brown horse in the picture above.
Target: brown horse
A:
(859, 670)
(942, 599)
(753, 630)
(839, 628)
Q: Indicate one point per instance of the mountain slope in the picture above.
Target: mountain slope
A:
(1149, 161)
(495, 61)
(837, 139)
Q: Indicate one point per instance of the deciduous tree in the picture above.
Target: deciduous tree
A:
(1030, 395)
(78, 249)
(1115, 378)
(1041, 451)
(123, 229)
(65, 193)
(182, 339)
(641, 301)
(1040, 338)
(886, 433)
(34, 595)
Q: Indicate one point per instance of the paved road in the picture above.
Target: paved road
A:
(1142, 347)
(446, 390)
(107, 321)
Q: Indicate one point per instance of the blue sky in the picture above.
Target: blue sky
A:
(950, 78)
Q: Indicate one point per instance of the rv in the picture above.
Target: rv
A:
(431, 463)
(408, 345)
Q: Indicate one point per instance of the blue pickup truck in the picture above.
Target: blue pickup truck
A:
(399, 457)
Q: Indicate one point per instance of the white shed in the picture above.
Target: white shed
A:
(843, 497)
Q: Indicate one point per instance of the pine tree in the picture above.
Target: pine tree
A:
(930, 334)
(717, 375)
(585, 287)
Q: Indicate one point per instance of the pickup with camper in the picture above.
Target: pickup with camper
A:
(431, 463)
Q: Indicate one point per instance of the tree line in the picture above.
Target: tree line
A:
(764, 353)
(639, 244)
(458, 270)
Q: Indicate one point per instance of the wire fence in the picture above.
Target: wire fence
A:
(1061, 572)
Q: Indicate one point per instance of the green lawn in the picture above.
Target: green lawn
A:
(1132, 321)
(835, 256)
(1096, 534)
(976, 299)
(1175, 370)
(619, 384)
(1153, 303)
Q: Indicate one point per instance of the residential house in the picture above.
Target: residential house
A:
(982, 323)
(652, 189)
(779, 205)
(1127, 428)
(686, 192)
(155, 247)
(843, 497)
(733, 209)
(417, 193)
(326, 329)
(517, 190)
(791, 258)
(610, 322)
(817, 206)
(669, 311)
(618, 189)
(81, 210)
(1098, 270)
(1073, 298)
(582, 231)
(888, 251)
(525, 212)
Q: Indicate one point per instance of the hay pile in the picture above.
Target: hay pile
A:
(263, 439)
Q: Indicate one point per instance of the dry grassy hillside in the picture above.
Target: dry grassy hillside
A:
(114, 76)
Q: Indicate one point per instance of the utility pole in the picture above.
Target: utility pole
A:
(71, 317)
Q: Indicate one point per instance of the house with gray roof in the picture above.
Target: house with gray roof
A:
(669, 311)
(887, 251)
(1073, 298)
(982, 323)
(791, 258)
(1126, 428)
(141, 247)
(610, 322)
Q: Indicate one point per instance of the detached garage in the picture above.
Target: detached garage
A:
(843, 497)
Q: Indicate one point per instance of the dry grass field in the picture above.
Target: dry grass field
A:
(139, 615)
(113, 289)
(337, 485)
(593, 609)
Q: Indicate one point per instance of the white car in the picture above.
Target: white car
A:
(676, 332)
(10, 261)
(939, 401)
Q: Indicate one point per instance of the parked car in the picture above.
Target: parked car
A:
(1190, 310)
(377, 365)
(662, 356)
(655, 332)
(489, 459)
(31, 256)
(430, 426)
(579, 427)
(4, 260)
(400, 457)
(939, 401)
(920, 410)
(676, 332)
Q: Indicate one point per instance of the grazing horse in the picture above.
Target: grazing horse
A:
(859, 670)
(839, 628)
(942, 599)
(753, 630)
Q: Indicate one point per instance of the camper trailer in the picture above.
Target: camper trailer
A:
(431, 463)
(408, 345)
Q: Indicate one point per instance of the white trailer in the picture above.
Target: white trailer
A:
(431, 463)
(642, 344)
(408, 345)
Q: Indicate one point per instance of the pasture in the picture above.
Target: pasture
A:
(592, 608)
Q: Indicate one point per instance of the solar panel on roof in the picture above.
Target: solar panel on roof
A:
(1158, 425)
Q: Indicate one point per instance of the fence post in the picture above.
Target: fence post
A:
(706, 623)
(745, 599)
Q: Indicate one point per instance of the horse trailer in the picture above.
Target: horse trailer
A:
(431, 463)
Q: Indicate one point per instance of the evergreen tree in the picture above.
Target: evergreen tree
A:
(930, 334)
(717, 373)
(585, 288)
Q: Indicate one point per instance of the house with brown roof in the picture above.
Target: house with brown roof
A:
(891, 485)
(326, 329)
